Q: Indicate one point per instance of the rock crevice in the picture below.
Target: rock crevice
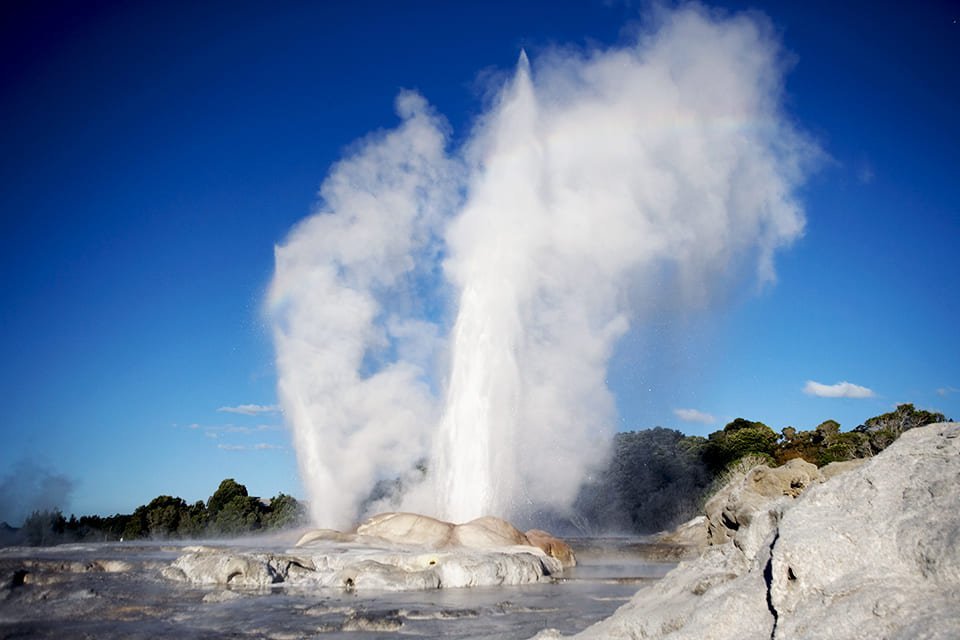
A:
(868, 551)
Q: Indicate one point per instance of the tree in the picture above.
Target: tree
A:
(240, 515)
(654, 480)
(284, 511)
(882, 430)
(738, 439)
(44, 528)
(225, 493)
(163, 516)
(193, 523)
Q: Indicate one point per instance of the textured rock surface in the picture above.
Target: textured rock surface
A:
(746, 509)
(408, 528)
(391, 552)
(874, 553)
(363, 568)
(553, 547)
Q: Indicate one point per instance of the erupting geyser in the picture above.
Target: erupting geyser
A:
(460, 306)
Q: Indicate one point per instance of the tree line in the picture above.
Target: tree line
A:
(658, 478)
(230, 511)
(655, 479)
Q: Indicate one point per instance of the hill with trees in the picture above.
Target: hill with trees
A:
(230, 511)
(655, 479)
(658, 478)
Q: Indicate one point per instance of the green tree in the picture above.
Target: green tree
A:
(654, 480)
(163, 516)
(738, 439)
(193, 523)
(240, 515)
(284, 511)
(882, 430)
(225, 493)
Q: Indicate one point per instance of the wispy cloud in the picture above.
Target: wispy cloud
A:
(839, 390)
(213, 430)
(945, 391)
(250, 409)
(260, 446)
(692, 415)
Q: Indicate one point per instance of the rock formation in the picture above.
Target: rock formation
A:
(872, 553)
(390, 551)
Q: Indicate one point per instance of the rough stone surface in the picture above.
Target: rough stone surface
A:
(693, 534)
(364, 568)
(874, 553)
(552, 546)
(408, 528)
(746, 509)
(486, 533)
(390, 552)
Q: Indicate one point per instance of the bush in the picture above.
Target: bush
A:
(882, 430)
(738, 439)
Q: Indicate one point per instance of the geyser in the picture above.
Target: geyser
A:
(460, 306)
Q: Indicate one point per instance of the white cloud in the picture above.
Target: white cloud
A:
(250, 409)
(945, 391)
(692, 415)
(838, 390)
(260, 446)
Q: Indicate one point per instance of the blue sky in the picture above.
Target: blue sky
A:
(155, 153)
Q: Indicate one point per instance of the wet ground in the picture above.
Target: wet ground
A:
(115, 590)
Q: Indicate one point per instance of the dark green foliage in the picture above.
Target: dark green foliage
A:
(738, 439)
(43, 528)
(225, 493)
(654, 481)
(233, 512)
(659, 477)
(827, 443)
(238, 516)
(882, 430)
(284, 511)
(821, 446)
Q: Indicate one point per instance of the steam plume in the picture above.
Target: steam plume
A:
(32, 487)
(596, 183)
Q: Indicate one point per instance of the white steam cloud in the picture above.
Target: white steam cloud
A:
(460, 306)
(250, 409)
(838, 390)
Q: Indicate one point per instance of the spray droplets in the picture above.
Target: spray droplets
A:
(598, 184)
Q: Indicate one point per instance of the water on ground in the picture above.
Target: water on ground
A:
(115, 590)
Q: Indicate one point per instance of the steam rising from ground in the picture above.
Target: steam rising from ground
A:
(460, 306)
(29, 487)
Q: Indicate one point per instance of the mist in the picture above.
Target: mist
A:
(29, 487)
(460, 305)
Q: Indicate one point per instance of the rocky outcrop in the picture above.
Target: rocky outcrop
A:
(408, 528)
(746, 509)
(873, 553)
(362, 568)
(414, 529)
(390, 551)
(553, 547)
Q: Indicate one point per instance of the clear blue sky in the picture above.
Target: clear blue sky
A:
(154, 153)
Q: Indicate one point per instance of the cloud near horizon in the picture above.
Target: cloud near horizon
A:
(250, 409)
(260, 446)
(839, 390)
(693, 415)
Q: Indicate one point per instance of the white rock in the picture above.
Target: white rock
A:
(874, 553)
